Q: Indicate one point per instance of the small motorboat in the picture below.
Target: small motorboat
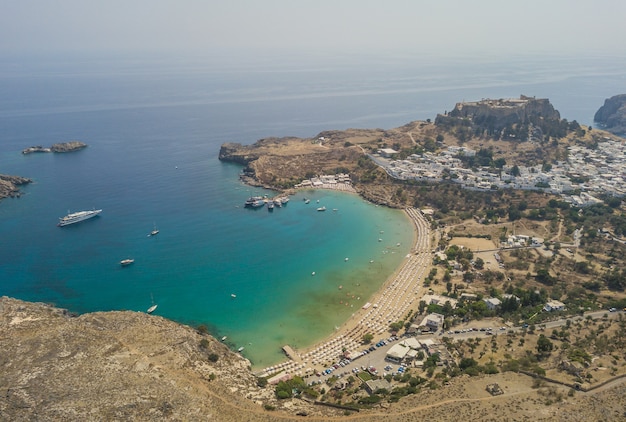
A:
(127, 261)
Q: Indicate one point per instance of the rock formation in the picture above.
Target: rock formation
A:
(58, 147)
(9, 185)
(612, 115)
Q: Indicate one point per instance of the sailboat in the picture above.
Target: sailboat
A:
(154, 231)
(153, 307)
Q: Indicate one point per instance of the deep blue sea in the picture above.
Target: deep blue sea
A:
(154, 127)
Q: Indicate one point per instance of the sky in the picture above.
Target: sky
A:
(447, 27)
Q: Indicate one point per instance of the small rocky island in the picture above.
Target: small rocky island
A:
(58, 147)
(612, 115)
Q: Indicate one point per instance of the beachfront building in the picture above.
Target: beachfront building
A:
(404, 351)
(432, 322)
(439, 300)
(397, 353)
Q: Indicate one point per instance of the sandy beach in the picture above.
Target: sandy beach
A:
(398, 295)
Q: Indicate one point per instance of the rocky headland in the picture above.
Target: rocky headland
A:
(9, 185)
(612, 115)
(58, 147)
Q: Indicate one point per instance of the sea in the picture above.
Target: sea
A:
(154, 126)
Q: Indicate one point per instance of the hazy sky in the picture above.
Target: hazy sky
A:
(448, 26)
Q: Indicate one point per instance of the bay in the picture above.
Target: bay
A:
(154, 128)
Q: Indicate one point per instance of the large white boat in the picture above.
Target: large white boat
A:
(76, 217)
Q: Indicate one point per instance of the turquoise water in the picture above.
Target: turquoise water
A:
(154, 132)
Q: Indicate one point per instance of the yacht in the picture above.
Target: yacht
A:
(321, 209)
(76, 217)
(240, 349)
(154, 305)
(284, 200)
(254, 202)
(126, 262)
(270, 206)
(154, 231)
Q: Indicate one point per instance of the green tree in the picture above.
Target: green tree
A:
(544, 345)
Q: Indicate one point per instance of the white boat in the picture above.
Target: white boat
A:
(76, 217)
(233, 295)
(224, 338)
(284, 200)
(321, 209)
(254, 202)
(127, 261)
(241, 349)
(306, 201)
(154, 231)
(154, 305)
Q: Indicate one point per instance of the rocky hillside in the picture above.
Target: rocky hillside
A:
(117, 366)
(612, 115)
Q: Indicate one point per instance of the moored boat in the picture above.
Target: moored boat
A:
(127, 261)
(321, 209)
(76, 217)
(254, 202)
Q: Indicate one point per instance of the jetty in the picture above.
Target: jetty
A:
(291, 354)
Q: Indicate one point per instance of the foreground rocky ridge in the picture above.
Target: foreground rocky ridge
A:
(115, 366)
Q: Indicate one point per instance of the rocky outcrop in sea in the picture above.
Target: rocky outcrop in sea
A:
(9, 185)
(612, 115)
(58, 147)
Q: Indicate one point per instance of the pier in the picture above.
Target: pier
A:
(291, 354)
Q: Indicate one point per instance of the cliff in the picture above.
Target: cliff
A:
(504, 119)
(612, 115)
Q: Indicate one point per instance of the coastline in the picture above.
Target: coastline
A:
(398, 295)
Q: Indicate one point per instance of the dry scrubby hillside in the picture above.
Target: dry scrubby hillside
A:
(114, 366)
